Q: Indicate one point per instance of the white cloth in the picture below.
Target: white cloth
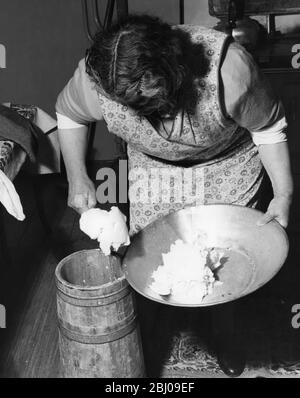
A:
(10, 198)
(48, 161)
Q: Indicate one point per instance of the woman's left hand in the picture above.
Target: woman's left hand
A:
(278, 210)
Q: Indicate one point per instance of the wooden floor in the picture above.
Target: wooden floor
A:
(29, 343)
(28, 346)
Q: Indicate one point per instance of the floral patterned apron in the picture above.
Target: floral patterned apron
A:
(206, 158)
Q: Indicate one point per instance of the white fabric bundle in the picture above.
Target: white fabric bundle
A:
(10, 198)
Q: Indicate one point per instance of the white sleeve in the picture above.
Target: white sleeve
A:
(79, 100)
(271, 135)
(64, 122)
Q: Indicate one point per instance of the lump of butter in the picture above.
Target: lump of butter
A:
(187, 272)
(108, 227)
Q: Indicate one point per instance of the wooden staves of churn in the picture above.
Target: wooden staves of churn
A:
(98, 332)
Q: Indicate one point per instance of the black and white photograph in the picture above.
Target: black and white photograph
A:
(150, 191)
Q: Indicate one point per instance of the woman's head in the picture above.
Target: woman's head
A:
(140, 63)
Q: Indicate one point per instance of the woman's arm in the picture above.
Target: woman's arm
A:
(250, 101)
(73, 144)
(276, 160)
(77, 106)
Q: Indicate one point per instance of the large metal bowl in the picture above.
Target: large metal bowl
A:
(255, 253)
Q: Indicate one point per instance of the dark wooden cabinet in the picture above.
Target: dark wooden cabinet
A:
(256, 7)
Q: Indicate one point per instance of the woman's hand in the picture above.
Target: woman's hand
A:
(82, 194)
(276, 161)
(278, 210)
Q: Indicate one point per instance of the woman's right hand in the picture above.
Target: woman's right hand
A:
(82, 194)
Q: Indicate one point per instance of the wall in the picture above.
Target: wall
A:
(166, 9)
(44, 40)
(196, 12)
(288, 23)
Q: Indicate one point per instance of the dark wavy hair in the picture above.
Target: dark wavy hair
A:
(140, 62)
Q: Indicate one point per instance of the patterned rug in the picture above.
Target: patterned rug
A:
(181, 345)
(190, 358)
(178, 341)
